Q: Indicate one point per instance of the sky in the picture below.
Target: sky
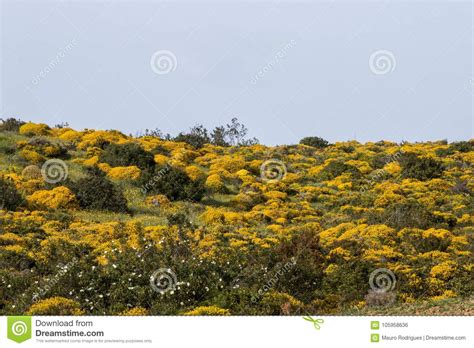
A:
(341, 70)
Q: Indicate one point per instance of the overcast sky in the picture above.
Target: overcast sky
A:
(394, 70)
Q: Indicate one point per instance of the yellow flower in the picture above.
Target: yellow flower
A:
(215, 183)
(55, 306)
(393, 168)
(208, 310)
(32, 156)
(31, 128)
(59, 197)
(443, 270)
(124, 173)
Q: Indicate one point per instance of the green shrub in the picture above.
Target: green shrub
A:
(336, 168)
(10, 125)
(130, 154)
(7, 145)
(172, 182)
(406, 214)
(97, 192)
(420, 168)
(462, 146)
(10, 199)
(318, 142)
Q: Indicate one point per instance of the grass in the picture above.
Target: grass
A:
(451, 306)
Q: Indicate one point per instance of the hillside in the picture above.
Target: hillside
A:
(98, 222)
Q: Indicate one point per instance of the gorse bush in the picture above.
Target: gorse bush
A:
(10, 198)
(97, 192)
(125, 155)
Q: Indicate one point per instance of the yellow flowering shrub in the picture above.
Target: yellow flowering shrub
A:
(161, 159)
(32, 156)
(443, 270)
(134, 312)
(393, 168)
(124, 173)
(59, 197)
(208, 310)
(55, 306)
(215, 183)
(71, 136)
(31, 128)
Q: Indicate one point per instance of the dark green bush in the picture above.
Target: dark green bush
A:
(462, 146)
(130, 154)
(7, 145)
(336, 168)
(172, 182)
(420, 168)
(97, 192)
(10, 198)
(406, 214)
(315, 142)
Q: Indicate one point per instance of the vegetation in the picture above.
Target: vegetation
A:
(198, 211)
(95, 191)
(315, 142)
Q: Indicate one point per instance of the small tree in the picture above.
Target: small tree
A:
(197, 137)
(10, 124)
(218, 136)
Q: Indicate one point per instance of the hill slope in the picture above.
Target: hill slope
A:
(97, 222)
